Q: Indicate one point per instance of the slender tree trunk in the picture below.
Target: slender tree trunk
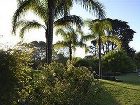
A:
(46, 45)
(108, 46)
(70, 51)
(51, 12)
(100, 70)
(65, 8)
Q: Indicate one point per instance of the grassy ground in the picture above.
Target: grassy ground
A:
(120, 93)
(131, 78)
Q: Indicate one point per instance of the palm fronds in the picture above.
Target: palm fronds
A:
(27, 25)
(93, 6)
(71, 19)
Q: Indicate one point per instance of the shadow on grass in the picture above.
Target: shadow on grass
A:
(104, 97)
(114, 93)
(130, 78)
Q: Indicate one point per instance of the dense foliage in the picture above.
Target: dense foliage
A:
(118, 62)
(114, 61)
(15, 76)
(123, 31)
(56, 84)
(52, 84)
(91, 63)
(120, 30)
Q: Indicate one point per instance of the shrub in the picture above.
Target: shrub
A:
(14, 77)
(118, 62)
(59, 85)
(82, 62)
(91, 63)
(53, 84)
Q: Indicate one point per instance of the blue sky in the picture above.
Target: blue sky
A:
(126, 10)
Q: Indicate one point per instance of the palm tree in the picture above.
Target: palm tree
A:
(99, 29)
(48, 10)
(71, 39)
(41, 10)
(87, 4)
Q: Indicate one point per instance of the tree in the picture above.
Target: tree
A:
(99, 28)
(38, 51)
(41, 10)
(122, 30)
(118, 61)
(70, 39)
(48, 10)
(87, 4)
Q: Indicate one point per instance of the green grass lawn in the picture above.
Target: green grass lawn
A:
(120, 93)
(131, 78)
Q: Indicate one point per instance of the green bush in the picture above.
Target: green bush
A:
(82, 62)
(53, 84)
(91, 64)
(14, 77)
(117, 61)
(59, 85)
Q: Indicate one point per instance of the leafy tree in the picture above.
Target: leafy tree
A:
(118, 61)
(38, 51)
(48, 10)
(122, 30)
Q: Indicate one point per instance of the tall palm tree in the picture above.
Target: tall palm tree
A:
(48, 10)
(41, 10)
(71, 39)
(99, 29)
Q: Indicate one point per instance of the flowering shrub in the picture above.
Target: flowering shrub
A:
(59, 85)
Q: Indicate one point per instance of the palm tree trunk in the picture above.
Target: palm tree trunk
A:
(46, 36)
(108, 46)
(100, 71)
(65, 8)
(70, 51)
(51, 11)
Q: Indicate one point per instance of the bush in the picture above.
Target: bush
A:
(117, 62)
(82, 62)
(14, 77)
(53, 84)
(91, 63)
(59, 85)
